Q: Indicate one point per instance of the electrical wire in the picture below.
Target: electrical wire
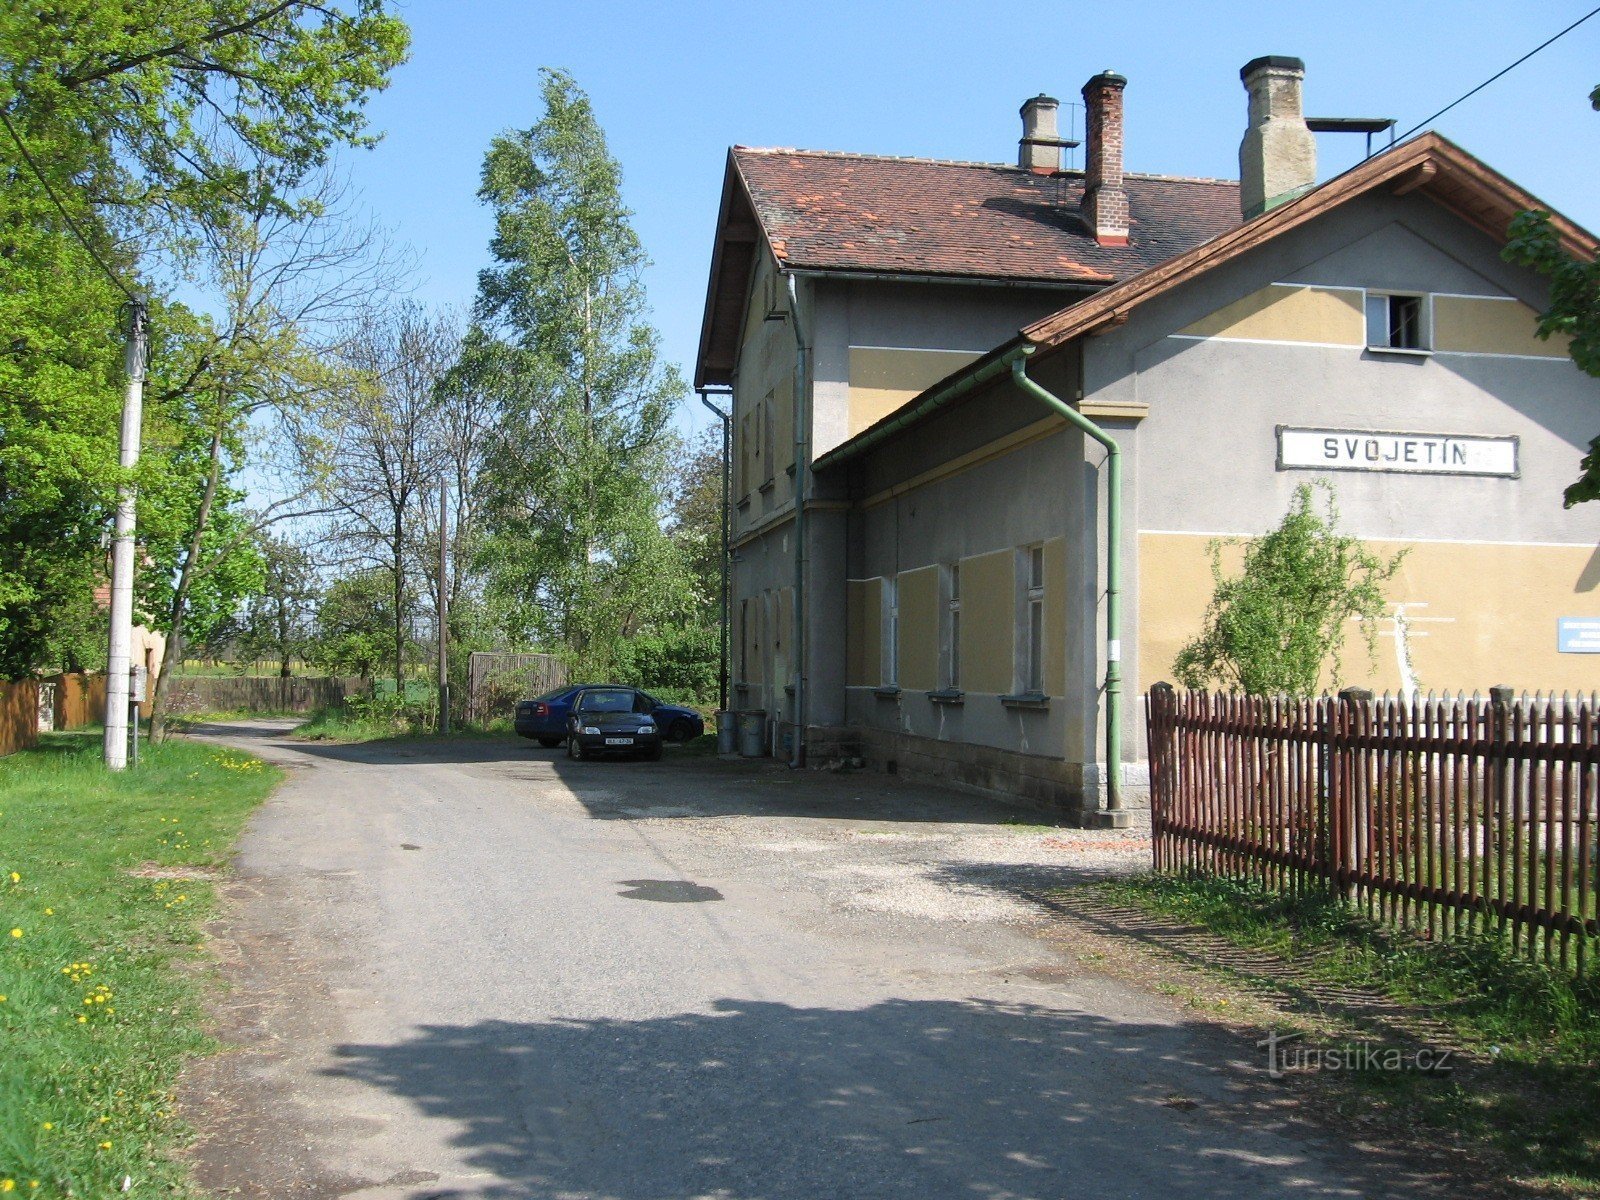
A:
(5, 120)
(1497, 75)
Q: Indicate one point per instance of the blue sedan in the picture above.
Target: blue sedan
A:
(545, 717)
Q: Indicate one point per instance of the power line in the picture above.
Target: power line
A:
(1497, 75)
(5, 119)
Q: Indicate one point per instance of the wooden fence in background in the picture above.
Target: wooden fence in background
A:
(80, 700)
(1453, 816)
(19, 715)
(256, 694)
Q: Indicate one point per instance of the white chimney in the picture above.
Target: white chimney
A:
(1040, 147)
(1278, 157)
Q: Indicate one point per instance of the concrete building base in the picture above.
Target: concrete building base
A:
(1068, 790)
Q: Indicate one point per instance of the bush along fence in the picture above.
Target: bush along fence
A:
(1455, 817)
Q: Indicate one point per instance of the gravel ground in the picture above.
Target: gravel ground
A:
(444, 985)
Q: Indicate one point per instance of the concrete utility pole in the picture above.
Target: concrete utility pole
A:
(444, 614)
(117, 664)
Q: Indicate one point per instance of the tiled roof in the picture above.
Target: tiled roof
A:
(860, 212)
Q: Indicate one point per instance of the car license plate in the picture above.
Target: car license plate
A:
(619, 741)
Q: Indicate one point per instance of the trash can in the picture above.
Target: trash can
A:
(727, 732)
(752, 734)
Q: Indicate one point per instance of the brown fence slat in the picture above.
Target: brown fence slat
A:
(1446, 815)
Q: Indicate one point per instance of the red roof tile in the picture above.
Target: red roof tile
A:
(860, 212)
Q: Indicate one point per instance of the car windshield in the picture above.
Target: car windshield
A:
(606, 702)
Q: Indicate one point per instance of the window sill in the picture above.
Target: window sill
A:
(948, 696)
(789, 470)
(887, 693)
(1036, 700)
(789, 688)
(744, 501)
(1400, 351)
(768, 486)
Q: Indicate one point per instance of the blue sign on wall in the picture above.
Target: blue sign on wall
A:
(1578, 635)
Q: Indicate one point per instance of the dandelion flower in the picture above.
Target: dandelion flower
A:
(82, 1020)
(16, 933)
(105, 1145)
(49, 1124)
(15, 878)
(2, 998)
(8, 1185)
(49, 912)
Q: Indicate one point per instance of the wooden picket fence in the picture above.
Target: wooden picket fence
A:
(1449, 815)
(80, 699)
(19, 715)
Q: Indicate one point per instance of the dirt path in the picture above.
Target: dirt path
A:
(475, 969)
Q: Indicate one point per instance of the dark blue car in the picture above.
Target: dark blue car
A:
(545, 717)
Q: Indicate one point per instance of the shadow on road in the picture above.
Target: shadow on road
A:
(681, 785)
(904, 1098)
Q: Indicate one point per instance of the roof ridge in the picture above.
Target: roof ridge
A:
(1071, 173)
(908, 158)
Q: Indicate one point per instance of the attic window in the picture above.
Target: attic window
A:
(1395, 321)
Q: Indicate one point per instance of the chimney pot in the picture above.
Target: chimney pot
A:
(1278, 156)
(1105, 202)
(1040, 147)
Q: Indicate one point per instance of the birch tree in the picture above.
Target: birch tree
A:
(574, 551)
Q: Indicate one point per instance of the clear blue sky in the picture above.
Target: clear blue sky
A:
(675, 84)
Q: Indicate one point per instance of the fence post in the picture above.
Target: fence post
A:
(1349, 718)
(1497, 799)
(1162, 751)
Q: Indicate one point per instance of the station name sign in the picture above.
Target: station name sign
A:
(1406, 453)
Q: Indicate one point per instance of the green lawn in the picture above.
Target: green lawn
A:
(1527, 1083)
(100, 917)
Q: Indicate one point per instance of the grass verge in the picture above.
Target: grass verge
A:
(103, 891)
(1526, 1080)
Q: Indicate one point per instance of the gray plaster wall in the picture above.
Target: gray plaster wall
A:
(1209, 444)
(932, 316)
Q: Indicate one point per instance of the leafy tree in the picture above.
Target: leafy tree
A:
(134, 118)
(1279, 625)
(1574, 311)
(277, 623)
(697, 517)
(355, 625)
(574, 549)
(147, 104)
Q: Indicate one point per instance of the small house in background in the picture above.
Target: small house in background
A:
(902, 339)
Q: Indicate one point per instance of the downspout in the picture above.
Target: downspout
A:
(1019, 373)
(724, 632)
(801, 472)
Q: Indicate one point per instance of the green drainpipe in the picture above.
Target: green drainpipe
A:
(1019, 373)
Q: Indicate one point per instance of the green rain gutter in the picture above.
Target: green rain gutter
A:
(956, 388)
(1014, 359)
(1019, 374)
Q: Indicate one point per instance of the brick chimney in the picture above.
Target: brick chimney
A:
(1278, 157)
(1039, 150)
(1105, 204)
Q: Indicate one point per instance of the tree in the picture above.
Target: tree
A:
(147, 105)
(125, 125)
(384, 451)
(277, 622)
(572, 501)
(355, 624)
(697, 517)
(1574, 311)
(286, 284)
(1279, 625)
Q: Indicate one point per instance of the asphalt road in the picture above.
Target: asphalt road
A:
(475, 969)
